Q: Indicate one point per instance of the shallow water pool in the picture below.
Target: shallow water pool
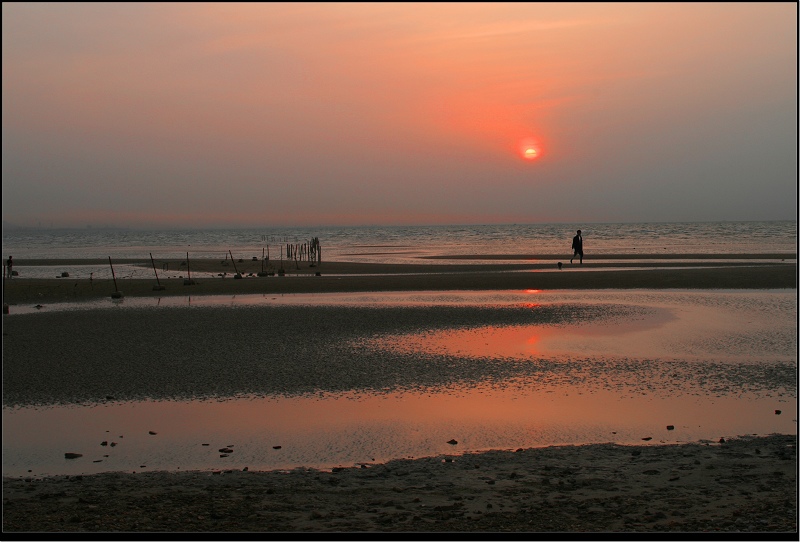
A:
(681, 366)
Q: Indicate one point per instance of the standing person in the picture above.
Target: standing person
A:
(577, 247)
(9, 265)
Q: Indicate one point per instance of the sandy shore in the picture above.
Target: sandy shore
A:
(365, 277)
(745, 485)
(740, 486)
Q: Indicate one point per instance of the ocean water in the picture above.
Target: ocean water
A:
(403, 244)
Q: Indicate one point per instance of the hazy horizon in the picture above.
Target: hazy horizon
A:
(216, 115)
(178, 227)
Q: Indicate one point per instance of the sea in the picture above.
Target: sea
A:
(399, 244)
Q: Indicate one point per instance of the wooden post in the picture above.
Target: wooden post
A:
(116, 294)
(159, 287)
(263, 272)
(237, 275)
(188, 281)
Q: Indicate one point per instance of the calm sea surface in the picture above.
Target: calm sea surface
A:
(399, 244)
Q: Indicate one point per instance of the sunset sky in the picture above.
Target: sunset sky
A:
(194, 115)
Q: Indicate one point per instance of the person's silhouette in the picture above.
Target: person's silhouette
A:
(577, 247)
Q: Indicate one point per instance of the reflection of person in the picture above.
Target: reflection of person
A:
(577, 247)
(9, 265)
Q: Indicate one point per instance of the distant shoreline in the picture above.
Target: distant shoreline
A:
(216, 277)
(749, 256)
(206, 261)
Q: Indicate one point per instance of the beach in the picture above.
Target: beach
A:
(745, 484)
(740, 487)
(214, 277)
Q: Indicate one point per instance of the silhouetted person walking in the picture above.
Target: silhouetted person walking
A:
(577, 247)
(9, 265)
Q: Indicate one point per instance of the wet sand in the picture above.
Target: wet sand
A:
(366, 277)
(742, 485)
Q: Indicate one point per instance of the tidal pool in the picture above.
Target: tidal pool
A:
(679, 366)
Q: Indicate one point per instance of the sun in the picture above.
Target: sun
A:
(529, 148)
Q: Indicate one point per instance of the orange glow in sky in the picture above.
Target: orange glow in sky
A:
(348, 113)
